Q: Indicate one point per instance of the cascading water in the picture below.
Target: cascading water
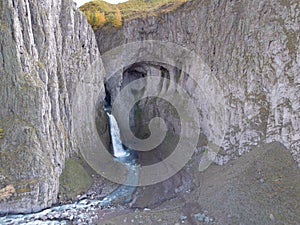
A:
(118, 149)
(63, 214)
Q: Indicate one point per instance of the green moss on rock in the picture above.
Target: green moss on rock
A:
(1, 9)
(74, 179)
(24, 189)
(1, 133)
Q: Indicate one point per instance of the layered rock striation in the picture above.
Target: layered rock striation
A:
(252, 48)
(46, 49)
(52, 83)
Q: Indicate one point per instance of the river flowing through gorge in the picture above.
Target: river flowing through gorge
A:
(85, 209)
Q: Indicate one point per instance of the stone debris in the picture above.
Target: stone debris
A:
(183, 218)
(203, 218)
(82, 212)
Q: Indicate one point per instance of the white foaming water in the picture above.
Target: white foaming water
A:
(118, 149)
(63, 214)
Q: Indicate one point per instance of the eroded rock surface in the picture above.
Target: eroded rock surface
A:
(46, 47)
(252, 48)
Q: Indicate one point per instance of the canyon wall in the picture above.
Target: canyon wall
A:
(48, 51)
(251, 47)
(52, 77)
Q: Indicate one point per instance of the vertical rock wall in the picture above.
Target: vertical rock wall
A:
(45, 49)
(252, 48)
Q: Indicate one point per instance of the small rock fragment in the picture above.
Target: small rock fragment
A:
(183, 218)
(199, 216)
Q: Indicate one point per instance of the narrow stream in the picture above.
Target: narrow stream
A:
(68, 213)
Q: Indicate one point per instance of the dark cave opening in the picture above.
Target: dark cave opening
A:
(146, 109)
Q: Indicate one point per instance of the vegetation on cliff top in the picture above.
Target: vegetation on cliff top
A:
(103, 14)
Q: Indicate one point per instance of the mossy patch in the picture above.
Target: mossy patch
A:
(1, 3)
(74, 179)
(24, 189)
(1, 133)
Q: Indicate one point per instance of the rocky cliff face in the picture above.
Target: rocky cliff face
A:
(46, 48)
(251, 47)
(51, 79)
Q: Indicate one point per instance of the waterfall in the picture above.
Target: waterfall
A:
(64, 213)
(118, 149)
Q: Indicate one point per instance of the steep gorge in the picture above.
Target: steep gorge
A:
(52, 82)
(252, 48)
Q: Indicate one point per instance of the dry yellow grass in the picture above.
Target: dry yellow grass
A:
(7, 192)
(116, 14)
